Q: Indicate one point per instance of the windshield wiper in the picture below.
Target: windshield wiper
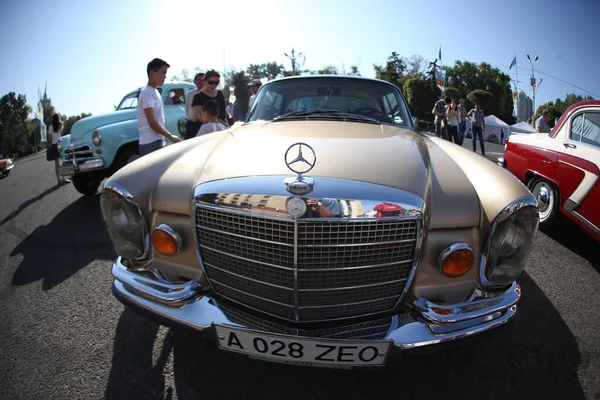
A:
(304, 113)
(328, 113)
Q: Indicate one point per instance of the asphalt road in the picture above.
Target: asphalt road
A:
(63, 335)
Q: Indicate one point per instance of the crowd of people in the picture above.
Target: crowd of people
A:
(206, 111)
(451, 121)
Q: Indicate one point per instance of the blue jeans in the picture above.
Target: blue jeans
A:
(462, 128)
(478, 132)
(150, 147)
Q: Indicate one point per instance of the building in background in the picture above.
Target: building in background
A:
(524, 108)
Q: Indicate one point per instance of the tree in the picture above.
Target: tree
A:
(328, 70)
(354, 71)
(393, 71)
(186, 76)
(48, 112)
(415, 66)
(270, 70)
(486, 100)
(421, 97)
(453, 93)
(570, 99)
(14, 125)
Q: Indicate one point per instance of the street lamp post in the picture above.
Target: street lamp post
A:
(534, 85)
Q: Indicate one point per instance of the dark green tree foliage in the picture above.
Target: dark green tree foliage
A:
(558, 107)
(453, 93)
(270, 70)
(421, 97)
(14, 125)
(393, 71)
(486, 101)
(467, 77)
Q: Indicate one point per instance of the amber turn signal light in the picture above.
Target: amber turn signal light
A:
(456, 260)
(165, 240)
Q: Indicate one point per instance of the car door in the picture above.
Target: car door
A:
(578, 168)
(174, 107)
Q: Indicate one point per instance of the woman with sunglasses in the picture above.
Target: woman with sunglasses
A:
(209, 92)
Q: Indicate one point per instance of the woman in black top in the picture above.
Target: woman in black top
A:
(209, 92)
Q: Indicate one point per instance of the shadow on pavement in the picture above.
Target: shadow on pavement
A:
(536, 356)
(574, 238)
(29, 202)
(55, 252)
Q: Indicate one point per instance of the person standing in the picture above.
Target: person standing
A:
(541, 124)
(254, 86)
(55, 133)
(150, 111)
(210, 92)
(452, 122)
(210, 123)
(462, 121)
(439, 110)
(192, 125)
(501, 136)
(478, 122)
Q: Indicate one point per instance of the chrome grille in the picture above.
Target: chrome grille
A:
(343, 268)
(376, 329)
(79, 153)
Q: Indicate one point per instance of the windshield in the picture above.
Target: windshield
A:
(331, 98)
(129, 101)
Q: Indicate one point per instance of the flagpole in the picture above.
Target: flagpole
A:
(517, 86)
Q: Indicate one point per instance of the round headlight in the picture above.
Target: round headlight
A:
(125, 222)
(59, 146)
(508, 243)
(97, 138)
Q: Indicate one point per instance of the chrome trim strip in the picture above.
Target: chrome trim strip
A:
(451, 249)
(355, 244)
(251, 295)
(244, 212)
(587, 223)
(479, 307)
(421, 233)
(351, 268)
(248, 279)
(352, 287)
(348, 304)
(245, 259)
(76, 153)
(120, 190)
(504, 214)
(296, 295)
(171, 232)
(242, 236)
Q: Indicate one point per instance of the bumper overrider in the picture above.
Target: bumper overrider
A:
(414, 326)
(80, 159)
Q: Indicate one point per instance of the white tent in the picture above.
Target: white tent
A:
(494, 125)
(521, 127)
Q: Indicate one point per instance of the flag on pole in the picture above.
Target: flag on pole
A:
(441, 79)
(513, 63)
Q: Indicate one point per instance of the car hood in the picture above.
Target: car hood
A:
(383, 155)
(81, 127)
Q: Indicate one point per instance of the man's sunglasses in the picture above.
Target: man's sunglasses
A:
(213, 82)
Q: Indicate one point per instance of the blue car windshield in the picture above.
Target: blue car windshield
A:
(330, 97)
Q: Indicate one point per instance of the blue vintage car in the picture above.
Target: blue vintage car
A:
(100, 145)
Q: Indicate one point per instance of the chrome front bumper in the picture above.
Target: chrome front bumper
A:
(424, 324)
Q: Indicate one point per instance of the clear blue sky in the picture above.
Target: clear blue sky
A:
(92, 52)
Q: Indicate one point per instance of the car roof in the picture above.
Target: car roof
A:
(568, 112)
(330, 76)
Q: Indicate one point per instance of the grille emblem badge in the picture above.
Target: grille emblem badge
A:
(295, 206)
(301, 164)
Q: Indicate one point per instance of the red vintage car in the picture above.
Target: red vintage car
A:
(562, 169)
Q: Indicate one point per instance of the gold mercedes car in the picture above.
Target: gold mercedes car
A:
(323, 231)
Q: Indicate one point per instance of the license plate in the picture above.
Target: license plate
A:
(301, 350)
(67, 170)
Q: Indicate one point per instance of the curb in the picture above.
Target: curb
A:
(30, 157)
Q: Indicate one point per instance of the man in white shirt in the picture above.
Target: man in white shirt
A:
(192, 125)
(150, 112)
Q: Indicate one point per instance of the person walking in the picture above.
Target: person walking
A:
(254, 86)
(192, 124)
(541, 124)
(150, 111)
(476, 116)
(53, 137)
(452, 121)
(462, 121)
(210, 92)
(439, 110)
